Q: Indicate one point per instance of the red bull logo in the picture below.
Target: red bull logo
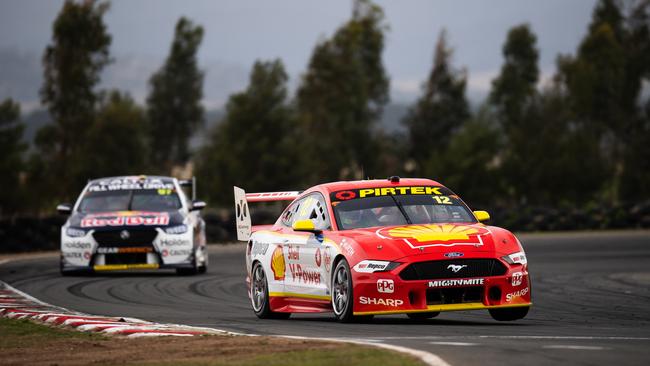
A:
(126, 219)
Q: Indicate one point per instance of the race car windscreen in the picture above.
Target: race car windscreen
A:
(130, 200)
(362, 208)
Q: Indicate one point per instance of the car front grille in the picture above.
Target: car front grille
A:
(457, 295)
(129, 258)
(467, 268)
(136, 237)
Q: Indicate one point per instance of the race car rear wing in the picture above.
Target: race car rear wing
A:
(191, 183)
(242, 215)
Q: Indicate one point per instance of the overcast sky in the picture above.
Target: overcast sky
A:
(238, 32)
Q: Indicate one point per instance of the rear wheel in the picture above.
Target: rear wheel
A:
(260, 295)
(509, 314)
(422, 316)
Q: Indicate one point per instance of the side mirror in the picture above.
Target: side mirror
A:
(197, 205)
(481, 216)
(64, 208)
(305, 225)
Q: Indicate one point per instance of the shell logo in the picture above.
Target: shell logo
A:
(427, 233)
(277, 263)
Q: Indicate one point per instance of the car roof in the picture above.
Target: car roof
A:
(133, 177)
(373, 183)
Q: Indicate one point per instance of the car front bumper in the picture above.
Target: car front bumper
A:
(386, 293)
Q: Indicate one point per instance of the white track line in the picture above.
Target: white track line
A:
(461, 344)
(564, 346)
(589, 338)
(443, 338)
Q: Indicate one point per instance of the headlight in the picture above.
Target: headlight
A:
(369, 266)
(175, 230)
(515, 258)
(74, 233)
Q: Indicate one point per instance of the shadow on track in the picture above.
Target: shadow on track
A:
(125, 274)
(407, 321)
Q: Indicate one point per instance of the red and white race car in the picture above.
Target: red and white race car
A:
(373, 247)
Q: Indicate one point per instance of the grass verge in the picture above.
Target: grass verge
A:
(23, 342)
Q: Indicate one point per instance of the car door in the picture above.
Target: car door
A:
(303, 252)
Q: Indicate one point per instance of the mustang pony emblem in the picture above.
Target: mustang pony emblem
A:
(456, 267)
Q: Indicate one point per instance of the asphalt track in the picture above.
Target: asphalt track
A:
(591, 295)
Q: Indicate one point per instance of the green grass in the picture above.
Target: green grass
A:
(345, 355)
(24, 340)
(25, 333)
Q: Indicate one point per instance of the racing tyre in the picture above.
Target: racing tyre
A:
(195, 269)
(260, 295)
(67, 273)
(187, 271)
(423, 316)
(342, 295)
(204, 263)
(73, 272)
(509, 314)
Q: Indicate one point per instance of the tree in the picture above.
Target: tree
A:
(595, 79)
(440, 111)
(340, 98)
(469, 165)
(635, 178)
(635, 182)
(252, 146)
(72, 66)
(116, 143)
(515, 87)
(174, 102)
(11, 150)
(638, 47)
(513, 95)
(603, 83)
(560, 163)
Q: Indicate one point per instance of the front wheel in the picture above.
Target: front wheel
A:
(187, 271)
(342, 294)
(73, 272)
(509, 314)
(195, 269)
(203, 267)
(260, 295)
